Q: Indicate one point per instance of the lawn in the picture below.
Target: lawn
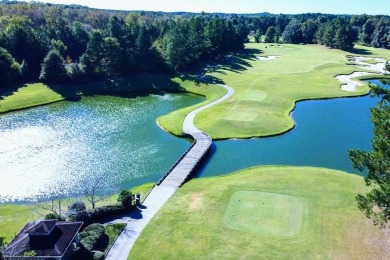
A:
(266, 91)
(14, 216)
(28, 95)
(264, 213)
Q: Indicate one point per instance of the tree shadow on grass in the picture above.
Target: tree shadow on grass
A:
(131, 86)
(360, 51)
(135, 213)
(9, 91)
(236, 63)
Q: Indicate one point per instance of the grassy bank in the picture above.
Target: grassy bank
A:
(28, 95)
(35, 94)
(14, 216)
(266, 213)
(266, 91)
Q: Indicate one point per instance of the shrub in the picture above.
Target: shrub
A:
(53, 215)
(98, 255)
(125, 199)
(77, 211)
(77, 206)
(93, 237)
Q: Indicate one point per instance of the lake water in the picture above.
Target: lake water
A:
(325, 130)
(59, 148)
(112, 140)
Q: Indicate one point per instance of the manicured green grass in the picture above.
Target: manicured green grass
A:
(266, 91)
(28, 95)
(264, 213)
(173, 122)
(14, 216)
(193, 222)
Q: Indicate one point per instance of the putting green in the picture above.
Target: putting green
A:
(191, 225)
(264, 213)
(270, 88)
(257, 96)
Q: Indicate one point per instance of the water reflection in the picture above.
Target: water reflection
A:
(55, 149)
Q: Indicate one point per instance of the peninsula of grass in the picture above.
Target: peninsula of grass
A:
(28, 95)
(266, 90)
(265, 213)
(14, 216)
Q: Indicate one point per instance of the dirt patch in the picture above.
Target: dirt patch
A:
(378, 244)
(196, 201)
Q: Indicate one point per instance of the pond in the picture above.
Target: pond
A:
(325, 130)
(57, 149)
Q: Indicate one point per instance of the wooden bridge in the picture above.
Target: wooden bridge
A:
(175, 177)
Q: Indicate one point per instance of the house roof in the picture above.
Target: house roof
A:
(57, 238)
(43, 227)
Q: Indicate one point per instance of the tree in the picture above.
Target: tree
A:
(53, 69)
(9, 69)
(91, 59)
(270, 34)
(111, 64)
(345, 38)
(20, 40)
(125, 198)
(376, 203)
(293, 32)
(367, 31)
(60, 46)
(95, 190)
(309, 29)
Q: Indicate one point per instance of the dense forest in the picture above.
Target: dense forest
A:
(70, 43)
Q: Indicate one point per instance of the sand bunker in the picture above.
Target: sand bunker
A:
(266, 57)
(349, 83)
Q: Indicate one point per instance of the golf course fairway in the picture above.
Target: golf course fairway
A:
(266, 90)
(269, 212)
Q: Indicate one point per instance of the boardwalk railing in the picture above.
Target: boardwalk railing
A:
(176, 163)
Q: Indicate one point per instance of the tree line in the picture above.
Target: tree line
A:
(71, 43)
(59, 44)
(336, 31)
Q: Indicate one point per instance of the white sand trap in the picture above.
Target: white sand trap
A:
(266, 57)
(378, 67)
(349, 84)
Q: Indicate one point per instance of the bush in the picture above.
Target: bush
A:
(77, 211)
(53, 215)
(98, 255)
(93, 237)
(125, 199)
(82, 253)
(96, 215)
(77, 206)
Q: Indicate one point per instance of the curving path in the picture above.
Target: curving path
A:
(137, 221)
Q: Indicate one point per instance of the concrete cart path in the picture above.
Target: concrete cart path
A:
(160, 194)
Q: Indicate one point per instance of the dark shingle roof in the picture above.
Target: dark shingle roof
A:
(42, 227)
(54, 243)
